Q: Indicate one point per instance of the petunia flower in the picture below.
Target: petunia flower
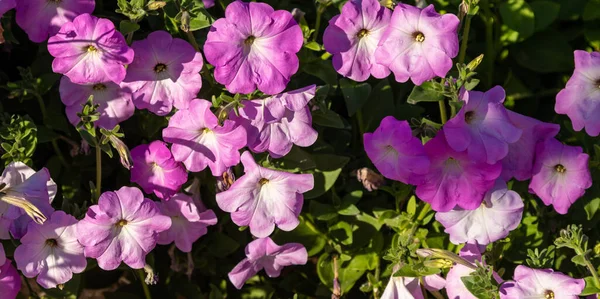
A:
(418, 43)
(6, 5)
(254, 47)
(455, 287)
(51, 251)
(90, 50)
(580, 99)
(482, 126)
(499, 213)
(155, 170)
(164, 73)
(410, 287)
(454, 179)
(560, 174)
(199, 141)
(352, 38)
(10, 281)
(541, 283)
(263, 198)
(123, 226)
(265, 254)
(114, 102)
(208, 3)
(43, 18)
(189, 222)
(396, 153)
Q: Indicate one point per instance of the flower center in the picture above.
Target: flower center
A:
(99, 86)
(362, 33)
(250, 40)
(263, 181)
(548, 294)
(205, 131)
(560, 169)
(121, 223)
(55, 1)
(419, 36)
(159, 68)
(598, 83)
(51, 242)
(469, 117)
(91, 48)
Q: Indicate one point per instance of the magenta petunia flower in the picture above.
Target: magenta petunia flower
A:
(521, 154)
(51, 251)
(114, 101)
(580, 99)
(89, 50)
(254, 47)
(208, 3)
(265, 254)
(10, 281)
(499, 213)
(164, 73)
(455, 288)
(43, 18)
(418, 43)
(396, 153)
(263, 198)
(541, 283)
(155, 170)
(6, 5)
(199, 141)
(482, 126)
(123, 226)
(353, 42)
(560, 174)
(189, 222)
(455, 179)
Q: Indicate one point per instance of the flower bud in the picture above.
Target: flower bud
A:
(225, 181)
(154, 5)
(475, 63)
(122, 149)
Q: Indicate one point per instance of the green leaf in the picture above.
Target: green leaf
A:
(427, 92)
(349, 271)
(341, 232)
(222, 245)
(592, 35)
(379, 105)
(591, 208)
(518, 16)
(328, 169)
(355, 94)
(592, 10)
(328, 118)
(313, 46)
(578, 260)
(590, 287)
(199, 19)
(545, 13)
(323, 212)
(545, 52)
(127, 26)
(304, 234)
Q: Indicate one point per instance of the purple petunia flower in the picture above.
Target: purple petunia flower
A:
(560, 174)
(189, 222)
(455, 287)
(208, 3)
(253, 47)
(164, 73)
(580, 99)
(199, 141)
(541, 283)
(418, 44)
(410, 287)
(10, 281)
(155, 170)
(263, 198)
(43, 18)
(353, 42)
(51, 251)
(396, 153)
(123, 226)
(265, 254)
(455, 179)
(6, 5)
(89, 50)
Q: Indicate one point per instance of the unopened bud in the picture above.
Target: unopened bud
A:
(369, 178)
(463, 10)
(438, 263)
(122, 149)
(387, 3)
(444, 254)
(475, 63)
(597, 249)
(154, 5)
(225, 180)
(185, 21)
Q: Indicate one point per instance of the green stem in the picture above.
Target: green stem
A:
(142, 277)
(312, 227)
(361, 124)
(98, 169)
(588, 264)
(443, 113)
(129, 38)
(488, 19)
(192, 40)
(320, 10)
(424, 212)
(465, 40)
(377, 274)
(42, 105)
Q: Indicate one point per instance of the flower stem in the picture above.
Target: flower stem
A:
(142, 277)
(465, 40)
(588, 264)
(42, 105)
(192, 40)
(443, 113)
(320, 10)
(98, 170)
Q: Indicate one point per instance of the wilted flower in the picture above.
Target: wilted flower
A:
(10, 281)
(225, 180)
(541, 283)
(369, 178)
(122, 149)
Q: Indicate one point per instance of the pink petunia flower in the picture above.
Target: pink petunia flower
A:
(123, 226)
(482, 126)
(418, 44)
(254, 47)
(265, 254)
(189, 222)
(455, 179)
(89, 50)
(263, 198)
(51, 251)
(396, 153)
(155, 170)
(199, 141)
(541, 283)
(353, 42)
(560, 174)
(410, 287)
(580, 99)
(500, 213)
(10, 281)
(6, 5)
(164, 73)
(43, 18)
(455, 287)
(208, 3)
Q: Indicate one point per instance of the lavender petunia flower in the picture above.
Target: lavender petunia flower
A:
(51, 251)
(410, 287)
(6, 5)
(560, 174)
(396, 153)
(189, 222)
(418, 44)
(89, 50)
(265, 254)
(123, 226)
(199, 141)
(43, 18)
(10, 281)
(455, 287)
(155, 170)
(580, 99)
(164, 73)
(263, 198)
(541, 283)
(353, 42)
(454, 179)
(253, 47)
(500, 213)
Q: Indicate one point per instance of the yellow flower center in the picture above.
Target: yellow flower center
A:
(469, 116)
(362, 33)
(159, 68)
(121, 223)
(51, 242)
(91, 48)
(250, 40)
(263, 181)
(560, 169)
(99, 86)
(419, 36)
(548, 294)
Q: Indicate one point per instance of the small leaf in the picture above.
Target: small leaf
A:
(126, 27)
(427, 92)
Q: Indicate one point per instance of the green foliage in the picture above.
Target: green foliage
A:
(19, 138)
(481, 282)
